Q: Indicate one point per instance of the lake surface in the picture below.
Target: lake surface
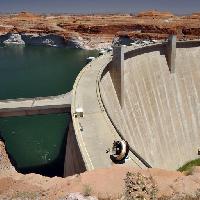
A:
(37, 143)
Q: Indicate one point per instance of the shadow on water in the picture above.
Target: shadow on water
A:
(10, 157)
(50, 169)
(54, 168)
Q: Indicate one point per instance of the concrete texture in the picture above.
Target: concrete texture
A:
(117, 72)
(94, 131)
(35, 106)
(161, 114)
(74, 163)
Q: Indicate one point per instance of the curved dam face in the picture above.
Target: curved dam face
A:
(160, 115)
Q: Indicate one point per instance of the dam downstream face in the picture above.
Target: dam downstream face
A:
(160, 115)
(37, 143)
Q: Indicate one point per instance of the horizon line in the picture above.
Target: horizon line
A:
(94, 13)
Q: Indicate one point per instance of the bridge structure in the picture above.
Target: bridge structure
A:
(35, 106)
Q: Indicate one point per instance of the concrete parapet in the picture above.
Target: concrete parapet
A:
(188, 44)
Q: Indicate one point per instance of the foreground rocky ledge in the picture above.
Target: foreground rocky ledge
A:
(111, 183)
(97, 31)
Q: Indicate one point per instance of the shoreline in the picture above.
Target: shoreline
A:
(56, 40)
(97, 32)
(51, 40)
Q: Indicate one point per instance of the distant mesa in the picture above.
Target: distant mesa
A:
(25, 14)
(98, 31)
(155, 14)
(197, 14)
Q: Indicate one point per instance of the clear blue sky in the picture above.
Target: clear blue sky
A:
(93, 6)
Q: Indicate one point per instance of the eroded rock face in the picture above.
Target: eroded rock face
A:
(14, 39)
(5, 164)
(44, 39)
(98, 31)
(76, 42)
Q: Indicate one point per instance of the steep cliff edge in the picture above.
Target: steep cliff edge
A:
(103, 183)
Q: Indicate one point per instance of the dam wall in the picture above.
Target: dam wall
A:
(160, 115)
(94, 131)
(74, 163)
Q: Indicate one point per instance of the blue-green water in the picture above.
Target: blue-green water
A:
(37, 143)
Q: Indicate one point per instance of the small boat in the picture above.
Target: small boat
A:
(102, 52)
(89, 59)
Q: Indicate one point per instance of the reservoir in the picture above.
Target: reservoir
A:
(37, 143)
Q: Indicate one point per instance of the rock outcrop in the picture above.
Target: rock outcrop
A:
(154, 14)
(14, 39)
(44, 39)
(5, 164)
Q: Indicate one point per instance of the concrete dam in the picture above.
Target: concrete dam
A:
(149, 96)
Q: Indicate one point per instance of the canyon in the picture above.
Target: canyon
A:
(97, 31)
